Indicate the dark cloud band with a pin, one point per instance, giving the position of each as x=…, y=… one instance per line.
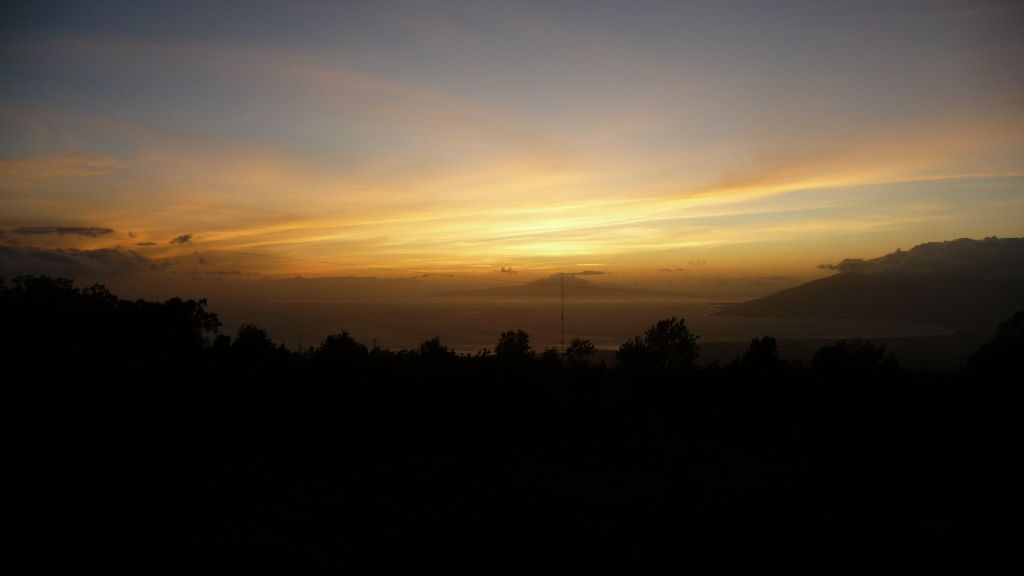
x=18, y=260
x=90, y=231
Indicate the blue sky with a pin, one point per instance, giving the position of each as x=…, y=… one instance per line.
x=480, y=135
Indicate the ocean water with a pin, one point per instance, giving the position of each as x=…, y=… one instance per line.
x=472, y=326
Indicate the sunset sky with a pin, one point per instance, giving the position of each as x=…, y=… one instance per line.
x=630, y=137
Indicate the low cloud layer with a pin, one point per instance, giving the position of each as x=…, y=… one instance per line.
x=71, y=263
x=183, y=239
x=90, y=231
x=991, y=257
x=584, y=273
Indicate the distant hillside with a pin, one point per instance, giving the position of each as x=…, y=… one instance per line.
x=963, y=284
x=550, y=287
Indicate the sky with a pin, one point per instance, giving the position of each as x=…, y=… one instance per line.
x=640, y=139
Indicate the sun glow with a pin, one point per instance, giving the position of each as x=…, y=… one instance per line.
x=315, y=157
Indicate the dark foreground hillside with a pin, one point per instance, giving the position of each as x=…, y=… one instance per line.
x=139, y=439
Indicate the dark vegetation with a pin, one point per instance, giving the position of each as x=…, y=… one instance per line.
x=141, y=439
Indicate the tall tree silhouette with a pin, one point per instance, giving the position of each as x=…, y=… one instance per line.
x=667, y=346
x=513, y=346
x=579, y=352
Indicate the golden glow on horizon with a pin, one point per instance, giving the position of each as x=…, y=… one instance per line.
x=516, y=229
x=326, y=167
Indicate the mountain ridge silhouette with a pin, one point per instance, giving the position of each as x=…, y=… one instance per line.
x=963, y=284
x=547, y=287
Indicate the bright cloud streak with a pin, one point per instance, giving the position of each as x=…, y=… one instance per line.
x=577, y=137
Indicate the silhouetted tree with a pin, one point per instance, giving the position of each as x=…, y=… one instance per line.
x=222, y=342
x=668, y=345
x=551, y=358
x=853, y=357
x=579, y=352
x=132, y=433
x=48, y=316
x=1004, y=352
x=434, y=352
x=338, y=349
x=253, y=341
x=513, y=346
x=184, y=321
x=761, y=357
x=631, y=353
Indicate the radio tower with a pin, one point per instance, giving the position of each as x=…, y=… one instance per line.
x=561, y=338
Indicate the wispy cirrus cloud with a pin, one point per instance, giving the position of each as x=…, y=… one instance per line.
x=56, y=165
x=476, y=162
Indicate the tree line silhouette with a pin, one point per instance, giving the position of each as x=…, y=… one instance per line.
x=142, y=438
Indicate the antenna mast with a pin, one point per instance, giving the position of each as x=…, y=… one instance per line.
x=561, y=338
